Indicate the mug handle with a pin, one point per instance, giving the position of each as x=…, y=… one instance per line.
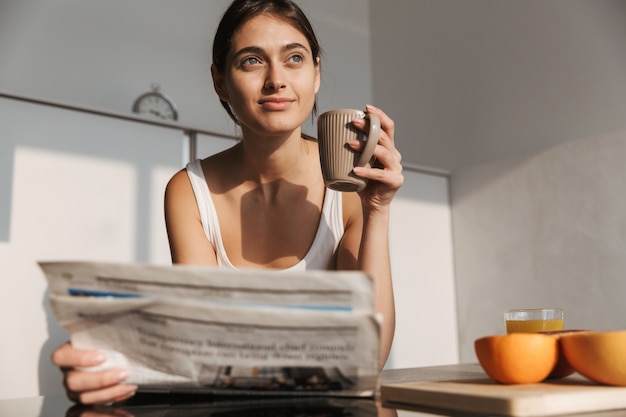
x=371, y=142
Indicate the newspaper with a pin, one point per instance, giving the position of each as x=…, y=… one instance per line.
x=185, y=328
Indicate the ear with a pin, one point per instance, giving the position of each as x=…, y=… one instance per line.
x=318, y=67
x=219, y=84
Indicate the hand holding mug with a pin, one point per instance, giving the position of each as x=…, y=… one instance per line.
x=335, y=130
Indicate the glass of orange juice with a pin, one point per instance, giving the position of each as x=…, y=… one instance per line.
x=533, y=320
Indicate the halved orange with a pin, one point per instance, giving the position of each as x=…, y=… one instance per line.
x=517, y=358
x=599, y=356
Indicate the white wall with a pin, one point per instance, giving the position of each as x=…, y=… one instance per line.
x=78, y=186
x=423, y=274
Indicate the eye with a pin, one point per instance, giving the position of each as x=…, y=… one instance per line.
x=296, y=58
x=250, y=60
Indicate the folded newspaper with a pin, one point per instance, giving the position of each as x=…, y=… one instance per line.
x=185, y=328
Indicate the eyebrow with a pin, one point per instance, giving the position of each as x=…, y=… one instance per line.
x=258, y=50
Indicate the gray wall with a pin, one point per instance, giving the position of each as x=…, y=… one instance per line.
x=543, y=231
x=471, y=82
x=524, y=101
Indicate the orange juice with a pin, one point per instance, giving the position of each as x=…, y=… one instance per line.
x=533, y=326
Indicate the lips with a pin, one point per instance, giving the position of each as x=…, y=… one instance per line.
x=276, y=103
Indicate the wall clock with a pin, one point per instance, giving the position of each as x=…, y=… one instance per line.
x=156, y=104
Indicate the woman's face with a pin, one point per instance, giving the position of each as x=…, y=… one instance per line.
x=270, y=79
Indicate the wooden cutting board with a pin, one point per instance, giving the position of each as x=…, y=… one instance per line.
x=574, y=394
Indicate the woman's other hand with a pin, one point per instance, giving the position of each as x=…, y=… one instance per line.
x=90, y=387
x=385, y=176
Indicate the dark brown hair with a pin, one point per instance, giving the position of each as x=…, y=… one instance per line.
x=240, y=11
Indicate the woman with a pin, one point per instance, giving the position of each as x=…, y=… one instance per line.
x=263, y=203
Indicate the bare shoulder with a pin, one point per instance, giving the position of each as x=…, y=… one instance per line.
x=188, y=243
x=180, y=201
x=177, y=185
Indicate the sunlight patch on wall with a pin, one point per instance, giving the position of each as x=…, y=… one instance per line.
x=73, y=206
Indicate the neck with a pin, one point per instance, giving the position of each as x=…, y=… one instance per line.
x=267, y=159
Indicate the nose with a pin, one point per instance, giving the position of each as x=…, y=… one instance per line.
x=275, y=78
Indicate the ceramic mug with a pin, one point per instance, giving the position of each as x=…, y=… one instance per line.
x=334, y=130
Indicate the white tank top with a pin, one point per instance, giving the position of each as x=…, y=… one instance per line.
x=321, y=254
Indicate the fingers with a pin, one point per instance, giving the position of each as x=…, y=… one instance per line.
x=79, y=381
x=91, y=387
x=387, y=127
x=68, y=356
x=387, y=169
x=386, y=154
x=107, y=395
x=98, y=387
x=386, y=123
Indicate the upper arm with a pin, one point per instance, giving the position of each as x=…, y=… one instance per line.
x=348, y=251
x=188, y=243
